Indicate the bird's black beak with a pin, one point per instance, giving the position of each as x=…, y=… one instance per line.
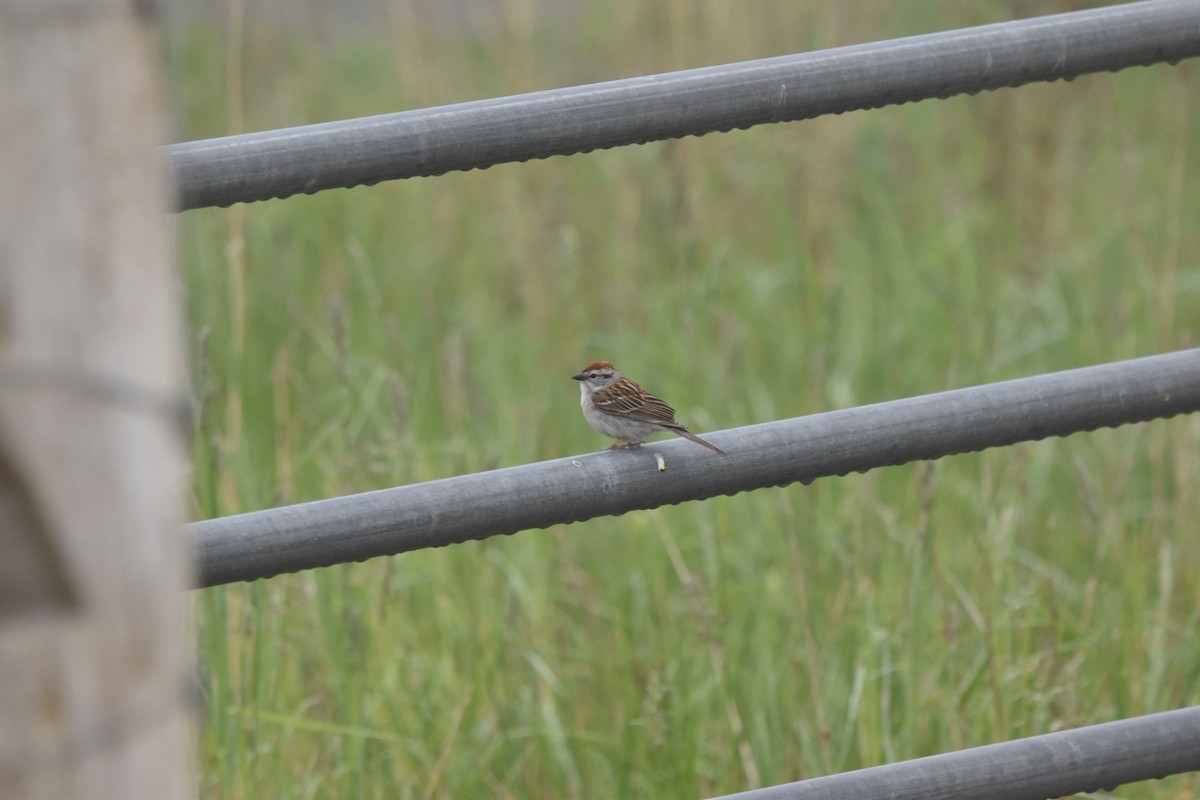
x=579, y=377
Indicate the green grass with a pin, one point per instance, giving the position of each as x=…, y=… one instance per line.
x=415, y=330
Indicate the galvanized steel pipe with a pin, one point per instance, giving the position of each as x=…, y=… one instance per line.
x=279, y=163
x=357, y=527
x=1091, y=759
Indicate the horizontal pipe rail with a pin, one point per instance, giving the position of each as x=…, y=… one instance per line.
x=260, y=544
x=1052, y=765
x=432, y=141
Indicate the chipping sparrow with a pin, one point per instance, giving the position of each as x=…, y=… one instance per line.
x=622, y=410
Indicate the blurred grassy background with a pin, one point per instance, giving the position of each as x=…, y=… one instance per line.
x=415, y=330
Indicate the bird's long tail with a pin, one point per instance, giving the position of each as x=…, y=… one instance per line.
x=685, y=433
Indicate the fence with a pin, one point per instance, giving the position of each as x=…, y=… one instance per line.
x=694, y=102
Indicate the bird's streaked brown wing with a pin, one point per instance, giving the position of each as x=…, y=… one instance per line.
x=628, y=399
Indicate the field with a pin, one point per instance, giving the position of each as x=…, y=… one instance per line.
x=366, y=338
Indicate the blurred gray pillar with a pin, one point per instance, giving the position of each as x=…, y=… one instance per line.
x=265, y=543
x=93, y=640
x=1089, y=759
x=258, y=166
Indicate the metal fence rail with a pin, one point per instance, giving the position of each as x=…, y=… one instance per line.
x=353, y=528
x=1052, y=765
x=279, y=163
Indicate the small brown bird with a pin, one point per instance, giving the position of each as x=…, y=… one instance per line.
x=620, y=409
